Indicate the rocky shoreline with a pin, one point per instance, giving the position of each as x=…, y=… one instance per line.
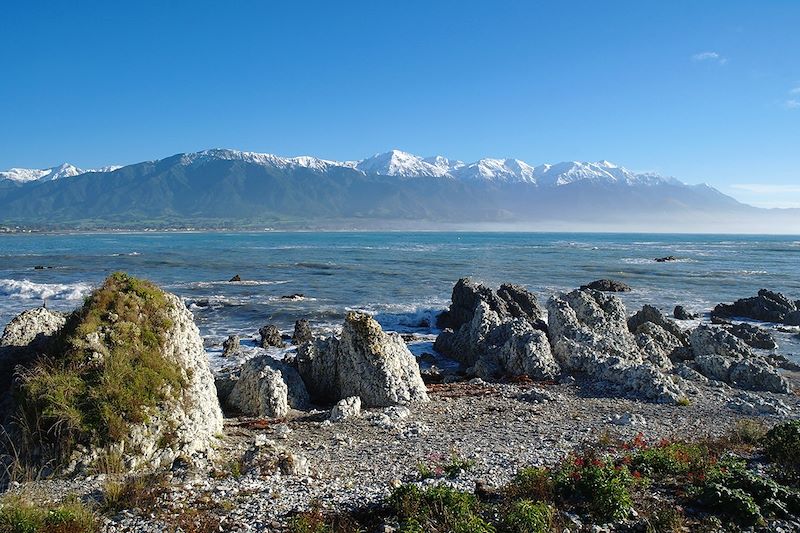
x=345, y=420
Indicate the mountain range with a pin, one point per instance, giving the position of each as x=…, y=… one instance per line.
x=221, y=188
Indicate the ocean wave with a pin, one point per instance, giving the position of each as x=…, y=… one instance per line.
x=30, y=290
x=130, y=254
x=244, y=283
x=648, y=261
x=407, y=317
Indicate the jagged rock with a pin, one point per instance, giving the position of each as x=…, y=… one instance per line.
x=295, y=296
x=267, y=387
x=607, y=285
x=510, y=301
x=589, y=333
x=32, y=328
x=503, y=333
x=231, y=345
x=753, y=405
x=767, y=306
x=658, y=344
x=292, y=464
x=680, y=313
x=271, y=337
x=792, y=319
x=723, y=357
x=754, y=336
x=302, y=332
x=235, y=278
x=365, y=362
x=648, y=313
x=346, y=408
x=666, y=259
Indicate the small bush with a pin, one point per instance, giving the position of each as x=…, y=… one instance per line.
x=782, y=446
x=451, y=467
x=674, y=458
x=664, y=519
x=747, y=432
x=438, y=508
x=131, y=493
x=527, y=516
x=315, y=520
x=20, y=516
x=598, y=484
x=532, y=483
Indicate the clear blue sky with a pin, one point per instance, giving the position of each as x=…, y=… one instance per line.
x=705, y=91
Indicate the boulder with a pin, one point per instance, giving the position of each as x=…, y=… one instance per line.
x=658, y=344
x=231, y=345
x=649, y=313
x=510, y=301
x=235, y=279
x=32, y=328
x=667, y=259
x=607, y=285
x=767, y=306
x=271, y=337
x=589, y=333
x=721, y=356
x=754, y=336
x=268, y=388
x=792, y=318
x=680, y=313
x=503, y=334
x=346, y=408
x=366, y=362
x=302, y=332
x=137, y=353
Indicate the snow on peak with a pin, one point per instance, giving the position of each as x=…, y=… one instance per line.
x=498, y=170
x=26, y=175
x=403, y=164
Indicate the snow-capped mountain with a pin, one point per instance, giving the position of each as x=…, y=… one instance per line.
x=231, y=188
x=65, y=170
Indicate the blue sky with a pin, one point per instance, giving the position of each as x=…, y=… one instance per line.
x=703, y=91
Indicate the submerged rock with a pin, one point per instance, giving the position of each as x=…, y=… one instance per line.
x=271, y=337
x=231, y=345
x=680, y=313
x=235, y=278
x=667, y=259
x=607, y=285
x=365, y=361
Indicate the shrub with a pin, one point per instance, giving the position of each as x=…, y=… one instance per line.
x=527, y=516
x=131, y=493
x=532, y=483
x=674, y=458
x=18, y=515
x=598, y=484
x=104, y=372
x=438, y=467
x=748, y=432
x=438, y=508
x=782, y=446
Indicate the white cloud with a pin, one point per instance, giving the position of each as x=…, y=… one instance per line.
x=796, y=90
x=766, y=188
x=714, y=57
x=792, y=104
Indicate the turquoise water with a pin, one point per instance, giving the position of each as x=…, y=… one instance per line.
x=404, y=278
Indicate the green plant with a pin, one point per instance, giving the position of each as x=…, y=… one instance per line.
x=315, y=520
x=532, y=483
x=674, y=458
x=18, y=515
x=105, y=371
x=747, y=431
x=664, y=519
x=451, y=467
x=683, y=401
x=597, y=483
x=439, y=508
x=131, y=493
x=527, y=516
x=782, y=446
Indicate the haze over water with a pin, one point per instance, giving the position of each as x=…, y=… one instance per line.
x=403, y=278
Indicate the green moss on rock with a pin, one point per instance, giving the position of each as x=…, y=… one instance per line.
x=105, y=372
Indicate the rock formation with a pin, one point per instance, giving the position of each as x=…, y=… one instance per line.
x=365, y=361
x=231, y=345
x=767, y=306
x=503, y=334
x=302, y=332
x=589, y=333
x=267, y=388
x=270, y=337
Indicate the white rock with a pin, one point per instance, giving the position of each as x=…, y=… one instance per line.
x=346, y=408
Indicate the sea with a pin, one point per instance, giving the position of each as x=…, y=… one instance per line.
x=403, y=279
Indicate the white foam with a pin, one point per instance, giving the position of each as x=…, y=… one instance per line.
x=29, y=290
